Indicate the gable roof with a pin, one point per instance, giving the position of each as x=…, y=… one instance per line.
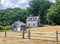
x=33, y=18
x=18, y=23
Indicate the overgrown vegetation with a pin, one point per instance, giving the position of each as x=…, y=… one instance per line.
x=8, y=27
x=1, y=28
x=5, y=27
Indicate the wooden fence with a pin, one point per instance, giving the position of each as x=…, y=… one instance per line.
x=38, y=34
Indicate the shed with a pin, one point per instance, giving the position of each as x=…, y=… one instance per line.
x=18, y=26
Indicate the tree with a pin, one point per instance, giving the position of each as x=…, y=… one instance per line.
x=39, y=7
x=9, y=15
x=53, y=13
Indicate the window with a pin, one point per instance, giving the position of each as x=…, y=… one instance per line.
x=30, y=18
x=34, y=18
x=33, y=24
x=29, y=24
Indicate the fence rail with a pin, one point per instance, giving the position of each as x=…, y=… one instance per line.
x=43, y=32
x=30, y=34
x=45, y=36
x=39, y=33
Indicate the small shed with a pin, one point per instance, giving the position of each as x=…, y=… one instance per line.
x=18, y=26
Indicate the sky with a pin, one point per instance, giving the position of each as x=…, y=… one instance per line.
x=15, y=3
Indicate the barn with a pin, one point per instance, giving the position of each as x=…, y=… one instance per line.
x=18, y=26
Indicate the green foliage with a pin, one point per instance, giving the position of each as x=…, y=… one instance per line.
x=39, y=8
x=28, y=27
x=53, y=14
x=1, y=28
x=5, y=27
x=9, y=15
x=8, y=27
x=36, y=8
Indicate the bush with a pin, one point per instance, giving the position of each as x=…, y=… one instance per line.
x=7, y=27
x=53, y=24
x=28, y=27
x=41, y=25
x=1, y=28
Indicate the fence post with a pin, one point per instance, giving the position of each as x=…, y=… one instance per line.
x=28, y=34
x=23, y=34
x=57, y=36
x=5, y=33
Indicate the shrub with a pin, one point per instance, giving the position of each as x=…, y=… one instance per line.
x=41, y=25
x=53, y=24
x=7, y=27
x=28, y=27
x=1, y=28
